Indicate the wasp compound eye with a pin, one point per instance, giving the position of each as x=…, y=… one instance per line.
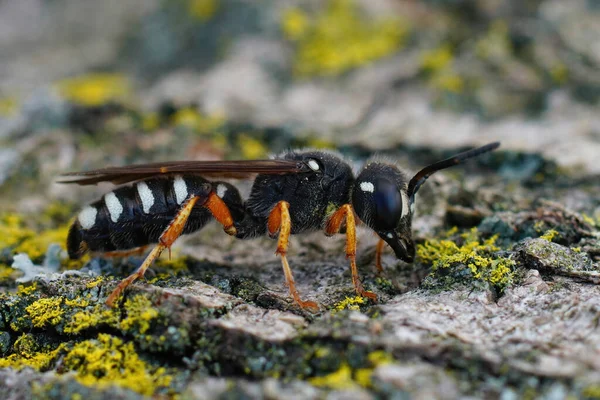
x=387, y=204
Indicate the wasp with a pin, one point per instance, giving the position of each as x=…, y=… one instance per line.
x=295, y=192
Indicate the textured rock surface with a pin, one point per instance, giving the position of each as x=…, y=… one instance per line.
x=503, y=299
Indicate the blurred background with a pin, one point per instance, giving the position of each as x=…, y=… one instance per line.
x=86, y=84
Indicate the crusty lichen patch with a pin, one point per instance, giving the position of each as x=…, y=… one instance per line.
x=480, y=257
x=107, y=361
x=340, y=38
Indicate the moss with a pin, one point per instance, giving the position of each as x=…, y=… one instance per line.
x=94, y=89
x=47, y=311
x=107, y=361
x=95, y=282
x=478, y=257
x=349, y=303
x=338, y=39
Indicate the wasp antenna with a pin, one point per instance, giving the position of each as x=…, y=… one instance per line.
x=421, y=176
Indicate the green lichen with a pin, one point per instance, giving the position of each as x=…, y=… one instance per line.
x=478, y=256
x=339, y=38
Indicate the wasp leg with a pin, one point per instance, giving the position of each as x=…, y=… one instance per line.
x=333, y=225
x=138, y=251
x=165, y=241
x=220, y=212
x=279, y=221
x=378, y=251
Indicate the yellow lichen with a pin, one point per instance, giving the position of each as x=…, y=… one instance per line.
x=140, y=314
x=150, y=122
x=93, y=283
x=46, y=311
x=94, y=89
x=477, y=256
x=203, y=9
x=107, y=361
x=27, y=354
x=8, y=106
x=437, y=59
x=339, y=380
x=6, y=273
x=347, y=378
x=250, y=147
x=87, y=319
x=20, y=239
x=549, y=235
x=495, y=45
x=190, y=118
x=340, y=38
x=295, y=23
x=349, y=303
x=23, y=290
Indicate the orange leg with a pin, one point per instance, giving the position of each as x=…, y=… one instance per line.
x=279, y=221
x=378, y=252
x=220, y=212
x=333, y=226
x=138, y=251
x=165, y=241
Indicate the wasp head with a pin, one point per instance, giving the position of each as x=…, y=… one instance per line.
x=381, y=201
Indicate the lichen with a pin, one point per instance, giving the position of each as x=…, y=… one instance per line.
x=94, y=89
x=549, y=235
x=339, y=38
x=139, y=314
x=349, y=303
x=91, y=318
x=203, y=9
x=107, y=361
x=190, y=118
x=250, y=147
x=478, y=256
x=46, y=311
x=346, y=377
x=28, y=353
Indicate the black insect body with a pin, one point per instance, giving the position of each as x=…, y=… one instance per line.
x=135, y=216
x=297, y=192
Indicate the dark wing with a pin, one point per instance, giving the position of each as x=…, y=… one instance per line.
x=421, y=176
x=239, y=169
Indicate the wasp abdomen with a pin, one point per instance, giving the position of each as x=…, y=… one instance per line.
x=136, y=215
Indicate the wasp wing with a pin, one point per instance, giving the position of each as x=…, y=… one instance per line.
x=236, y=169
